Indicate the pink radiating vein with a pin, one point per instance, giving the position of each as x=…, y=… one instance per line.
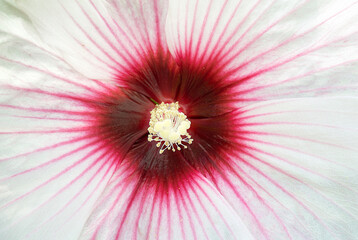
x=189, y=51
x=225, y=29
x=104, y=37
x=258, y=196
x=296, y=165
x=157, y=23
x=144, y=22
x=295, y=150
x=315, y=190
x=132, y=61
x=144, y=41
x=223, y=54
x=186, y=209
x=56, y=145
x=247, y=206
x=284, y=190
x=124, y=22
x=83, y=46
x=291, y=111
x=245, y=174
x=117, y=187
x=281, y=44
x=190, y=185
x=187, y=196
x=52, y=118
x=180, y=214
x=90, y=195
x=93, y=164
x=218, y=18
x=303, y=139
x=48, y=110
x=48, y=73
x=297, y=77
x=201, y=32
x=92, y=40
x=283, y=62
x=53, y=161
x=278, y=186
x=284, y=42
x=155, y=196
x=238, y=26
x=139, y=214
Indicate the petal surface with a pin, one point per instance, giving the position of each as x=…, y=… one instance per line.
x=98, y=38
x=15, y=22
x=296, y=177
x=269, y=49
x=51, y=170
x=194, y=209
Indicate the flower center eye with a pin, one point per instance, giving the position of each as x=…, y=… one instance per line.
x=168, y=127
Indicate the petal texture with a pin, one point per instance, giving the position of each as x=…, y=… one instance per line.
x=98, y=38
x=270, y=49
x=194, y=209
x=51, y=171
x=15, y=22
x=296, y=177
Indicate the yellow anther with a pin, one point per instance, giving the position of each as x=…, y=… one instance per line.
x=169, y=127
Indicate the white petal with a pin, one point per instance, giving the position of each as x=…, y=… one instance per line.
x=16, y=22
x=270, y=49
x=101, y=39
x=296, y=177
x=194, y=209
x=51, y=172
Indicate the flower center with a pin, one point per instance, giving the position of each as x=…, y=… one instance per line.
x=168, y=127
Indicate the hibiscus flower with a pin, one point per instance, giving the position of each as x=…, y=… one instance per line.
x=190, y=119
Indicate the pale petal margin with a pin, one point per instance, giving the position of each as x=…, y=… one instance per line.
x=270, y=49
x=296, y=176
x=100, y=39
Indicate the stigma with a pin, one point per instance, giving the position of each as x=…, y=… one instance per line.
x=169, y=127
